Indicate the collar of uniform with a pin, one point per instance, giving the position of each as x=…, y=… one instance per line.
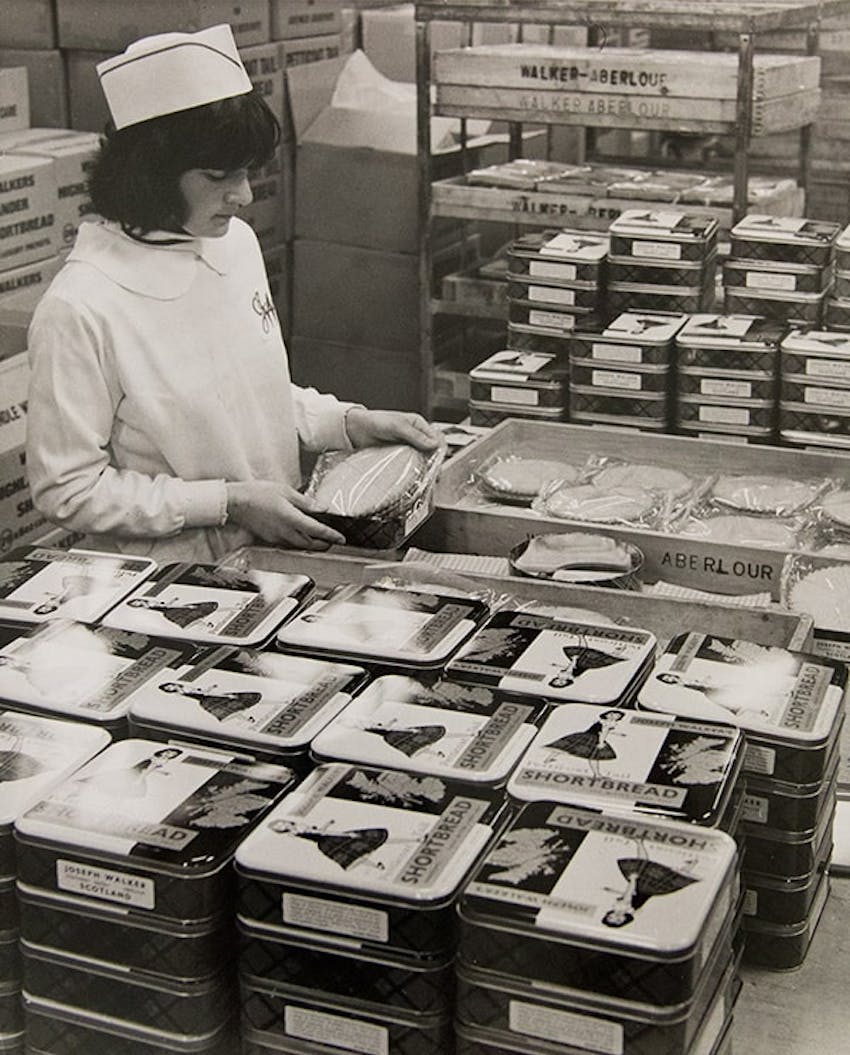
x=164, y=272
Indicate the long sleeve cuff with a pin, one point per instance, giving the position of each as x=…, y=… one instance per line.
x=205, y=503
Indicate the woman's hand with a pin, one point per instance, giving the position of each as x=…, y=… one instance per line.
x=366, y=428
x=276, y=513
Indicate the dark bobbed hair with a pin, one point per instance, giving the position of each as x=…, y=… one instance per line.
x=135, y=176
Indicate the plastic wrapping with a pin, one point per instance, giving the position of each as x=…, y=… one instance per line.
x=375, y=496
x=422, y=576
x=522, y=173
x=516, y=479
x=578, y=557
x=212, y=603
x=38, y=583
x=384, y=626
x=88, y=673
x=772, y=495
x=592, y=504
x=819, y=589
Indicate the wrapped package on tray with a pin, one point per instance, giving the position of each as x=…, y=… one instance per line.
x=375, y=496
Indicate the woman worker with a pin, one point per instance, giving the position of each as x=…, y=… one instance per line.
x=162, y=420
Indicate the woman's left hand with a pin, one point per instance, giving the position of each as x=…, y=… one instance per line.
x=366, y=428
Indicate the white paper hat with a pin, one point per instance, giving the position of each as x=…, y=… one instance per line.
x=170, y=72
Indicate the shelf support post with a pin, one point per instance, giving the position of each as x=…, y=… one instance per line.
x=423, y=143
x=743, y=125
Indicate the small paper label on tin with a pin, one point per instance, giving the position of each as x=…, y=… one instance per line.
x=616, y=379
x=715, y=386
x=751, y=902
x=550, y=320
x=552, y=294
x=351, y=920
x=831, y=368
x=544, y=269
x=529, y=397
x=769, y=280
x=827, y=397
x=617, y=353
x=108, y=884
x=755, y=809
x=759, y=759
x=725, y=415
x=581, y=1031
x=657, y=250
x=336, y=1030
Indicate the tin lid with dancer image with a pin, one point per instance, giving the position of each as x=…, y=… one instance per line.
x=261, y=702
x=604, y=758
x=542, y=655
x=212, y=603
x=405, y=836
x=405, y=723
x=156, y=810
x=38, y=583
x=771, y=692
x=655, y=886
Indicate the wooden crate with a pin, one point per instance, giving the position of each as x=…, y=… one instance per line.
x=664, y=616
x=463, y=523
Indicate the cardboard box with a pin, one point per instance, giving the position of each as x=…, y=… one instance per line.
x=86, y=103
x=381, y=379
x=113, y=24
x=270, y=213
x=356, y=168
x=290, y=19
x=73, y=154
x=264, y=64
x=48, y=93
x=14, y=99
x=28, y=24
x=351, y=295
x=303, y=50
x=15, y=317
x=26, y=284
x=19, y=522
x=28, y=228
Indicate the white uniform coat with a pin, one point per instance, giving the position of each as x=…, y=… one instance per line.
x=158, y=374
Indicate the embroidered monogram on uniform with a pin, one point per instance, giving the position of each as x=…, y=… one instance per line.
x=264, y=307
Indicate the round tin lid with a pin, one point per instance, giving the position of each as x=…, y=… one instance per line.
x=38, y=583
x=208, y=603
x=80, y=671
x=631, y=760
x=612, y=881
x=464, y=731
x=382, y=624
x=36, y=753
x=538, y=655
x=777, y=694
x=386, y=834
x=168, y=808
x=261, y=699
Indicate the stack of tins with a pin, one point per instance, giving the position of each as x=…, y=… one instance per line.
x=513, y=384
x=623, y=372
x=780, y=267
x=837, y=315
x=347, y=910
x=35, y=754
x=814, y=399
x=791, y=707
x=662, y=260
x=594, y=931
x=126, y=897
x=728, y=376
